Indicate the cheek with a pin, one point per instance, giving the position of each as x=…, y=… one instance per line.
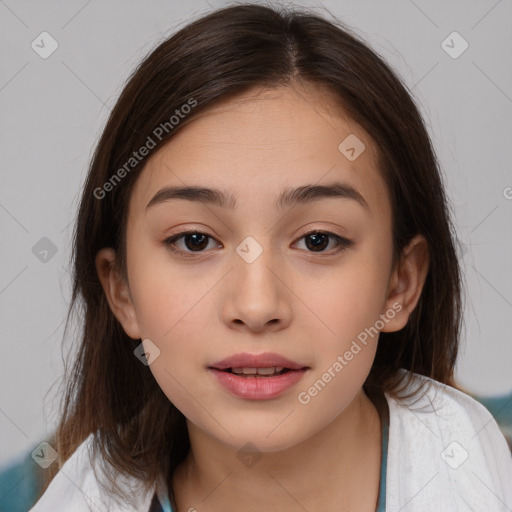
x=348, y=303
x=170, y=305
x=164, y=295
x=169, y=314
x=177, y=382
x=349, y=299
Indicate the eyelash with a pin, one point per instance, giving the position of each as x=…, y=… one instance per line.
x=343, y=243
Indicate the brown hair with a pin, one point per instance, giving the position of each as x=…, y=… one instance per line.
x=223, y=54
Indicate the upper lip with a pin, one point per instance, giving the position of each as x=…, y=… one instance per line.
x=265, y=360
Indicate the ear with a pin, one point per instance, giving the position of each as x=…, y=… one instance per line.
x=406, y=283
x=117, y=291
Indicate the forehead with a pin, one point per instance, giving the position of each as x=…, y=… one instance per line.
x=265, y=140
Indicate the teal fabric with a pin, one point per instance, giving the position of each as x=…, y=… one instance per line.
x=166, y=506
x=501, y=408
x=19, y=484
x=381, y=507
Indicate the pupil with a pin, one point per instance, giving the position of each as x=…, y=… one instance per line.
x=195, y=237
x=319, y=241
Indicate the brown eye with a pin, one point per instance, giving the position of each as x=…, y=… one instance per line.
x=194, y=242
x=317, y=241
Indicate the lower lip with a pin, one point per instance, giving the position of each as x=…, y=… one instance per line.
x=258, y=388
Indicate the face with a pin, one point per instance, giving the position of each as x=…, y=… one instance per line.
x=301, y=280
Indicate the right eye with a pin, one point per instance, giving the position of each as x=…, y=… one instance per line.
x=195, y=242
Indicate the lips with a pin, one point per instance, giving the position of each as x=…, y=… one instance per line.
x=256, y=376
x=265, y=360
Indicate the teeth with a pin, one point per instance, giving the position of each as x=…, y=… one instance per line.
x=246, y=371
x=269, y=371
x=259, y=371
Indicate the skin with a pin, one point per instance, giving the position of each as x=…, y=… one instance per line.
x=305, y=305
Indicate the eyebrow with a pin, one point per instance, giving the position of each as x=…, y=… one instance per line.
x=288, y=197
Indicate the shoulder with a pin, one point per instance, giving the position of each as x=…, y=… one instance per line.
x=75, y=487
x=446, y=410
x=450, y=448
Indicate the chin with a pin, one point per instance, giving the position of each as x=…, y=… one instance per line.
x=263, y=438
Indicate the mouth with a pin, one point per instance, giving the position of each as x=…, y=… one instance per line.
x=258, y=372
x=257, y=376
x=267, y=363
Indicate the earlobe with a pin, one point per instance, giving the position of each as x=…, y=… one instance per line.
x=406, y=283
x=117, y=291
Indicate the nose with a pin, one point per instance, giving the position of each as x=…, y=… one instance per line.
x=258, y=296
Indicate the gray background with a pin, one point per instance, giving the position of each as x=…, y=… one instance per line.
x=52, y=111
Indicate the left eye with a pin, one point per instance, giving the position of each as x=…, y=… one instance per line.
x=317, y=241
x=196, y=242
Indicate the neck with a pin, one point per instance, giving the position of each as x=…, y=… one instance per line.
x=338, y=468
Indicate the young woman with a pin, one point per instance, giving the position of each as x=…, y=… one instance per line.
x=271, y=295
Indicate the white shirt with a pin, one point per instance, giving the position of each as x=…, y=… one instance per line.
x=445, y=454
